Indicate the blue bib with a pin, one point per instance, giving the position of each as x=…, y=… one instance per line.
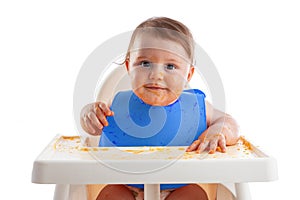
x=136, y=123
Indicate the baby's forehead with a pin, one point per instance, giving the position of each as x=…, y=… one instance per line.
x=153, y=54
x=149, y=43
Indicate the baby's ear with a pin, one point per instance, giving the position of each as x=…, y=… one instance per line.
x=127, y=64
x=191, y=72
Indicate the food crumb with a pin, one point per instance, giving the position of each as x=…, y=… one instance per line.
x=70, y=137
x=219, y=149
x=134, y=151
x=246, y=143
x=84, y=149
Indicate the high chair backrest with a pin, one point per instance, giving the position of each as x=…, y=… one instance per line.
x=114, y=80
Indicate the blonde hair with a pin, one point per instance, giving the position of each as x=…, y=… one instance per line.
x=165, y=28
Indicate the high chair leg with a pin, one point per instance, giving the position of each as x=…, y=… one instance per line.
x=242, y=191
x=151, y=191
x=61, y=192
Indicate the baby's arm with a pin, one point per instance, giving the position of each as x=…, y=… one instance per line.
x=93, y=117
x=221, y=130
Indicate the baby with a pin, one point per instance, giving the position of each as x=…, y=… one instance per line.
x=159, y=111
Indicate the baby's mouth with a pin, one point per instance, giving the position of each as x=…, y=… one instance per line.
x=154, y=87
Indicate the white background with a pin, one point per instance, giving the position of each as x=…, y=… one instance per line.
x=254, y=45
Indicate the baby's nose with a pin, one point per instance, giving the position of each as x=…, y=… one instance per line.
x=157, y=72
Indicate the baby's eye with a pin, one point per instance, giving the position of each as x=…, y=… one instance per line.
x=145, y=64
x=170, y=66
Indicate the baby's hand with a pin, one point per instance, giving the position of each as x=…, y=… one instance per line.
x=210, y=141
x=93, y=117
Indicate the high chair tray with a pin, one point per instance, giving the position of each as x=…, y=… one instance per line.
x=66, y=161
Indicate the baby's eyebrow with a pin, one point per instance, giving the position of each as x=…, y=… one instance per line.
x=141, y=57
x=172, y=60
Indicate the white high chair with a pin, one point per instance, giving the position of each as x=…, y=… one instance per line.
x=76, y=171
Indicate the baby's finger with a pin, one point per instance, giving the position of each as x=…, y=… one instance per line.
x=103, y=120
x=100, y=115
x=94, y=120
x=105, y=109
x=193, y=146
x=98, y=111
x=213, y=146
x=222, y=145
x=88, y=125
x=203, y=145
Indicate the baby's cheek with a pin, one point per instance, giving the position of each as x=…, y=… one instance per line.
x=136, y=82
x=177, y=85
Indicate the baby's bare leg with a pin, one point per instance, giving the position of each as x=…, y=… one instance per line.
x=115, y=192
x=192, y=191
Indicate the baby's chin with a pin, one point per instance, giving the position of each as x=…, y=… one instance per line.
x=158, y=101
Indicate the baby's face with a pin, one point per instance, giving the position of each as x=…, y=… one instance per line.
x=159, y=70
